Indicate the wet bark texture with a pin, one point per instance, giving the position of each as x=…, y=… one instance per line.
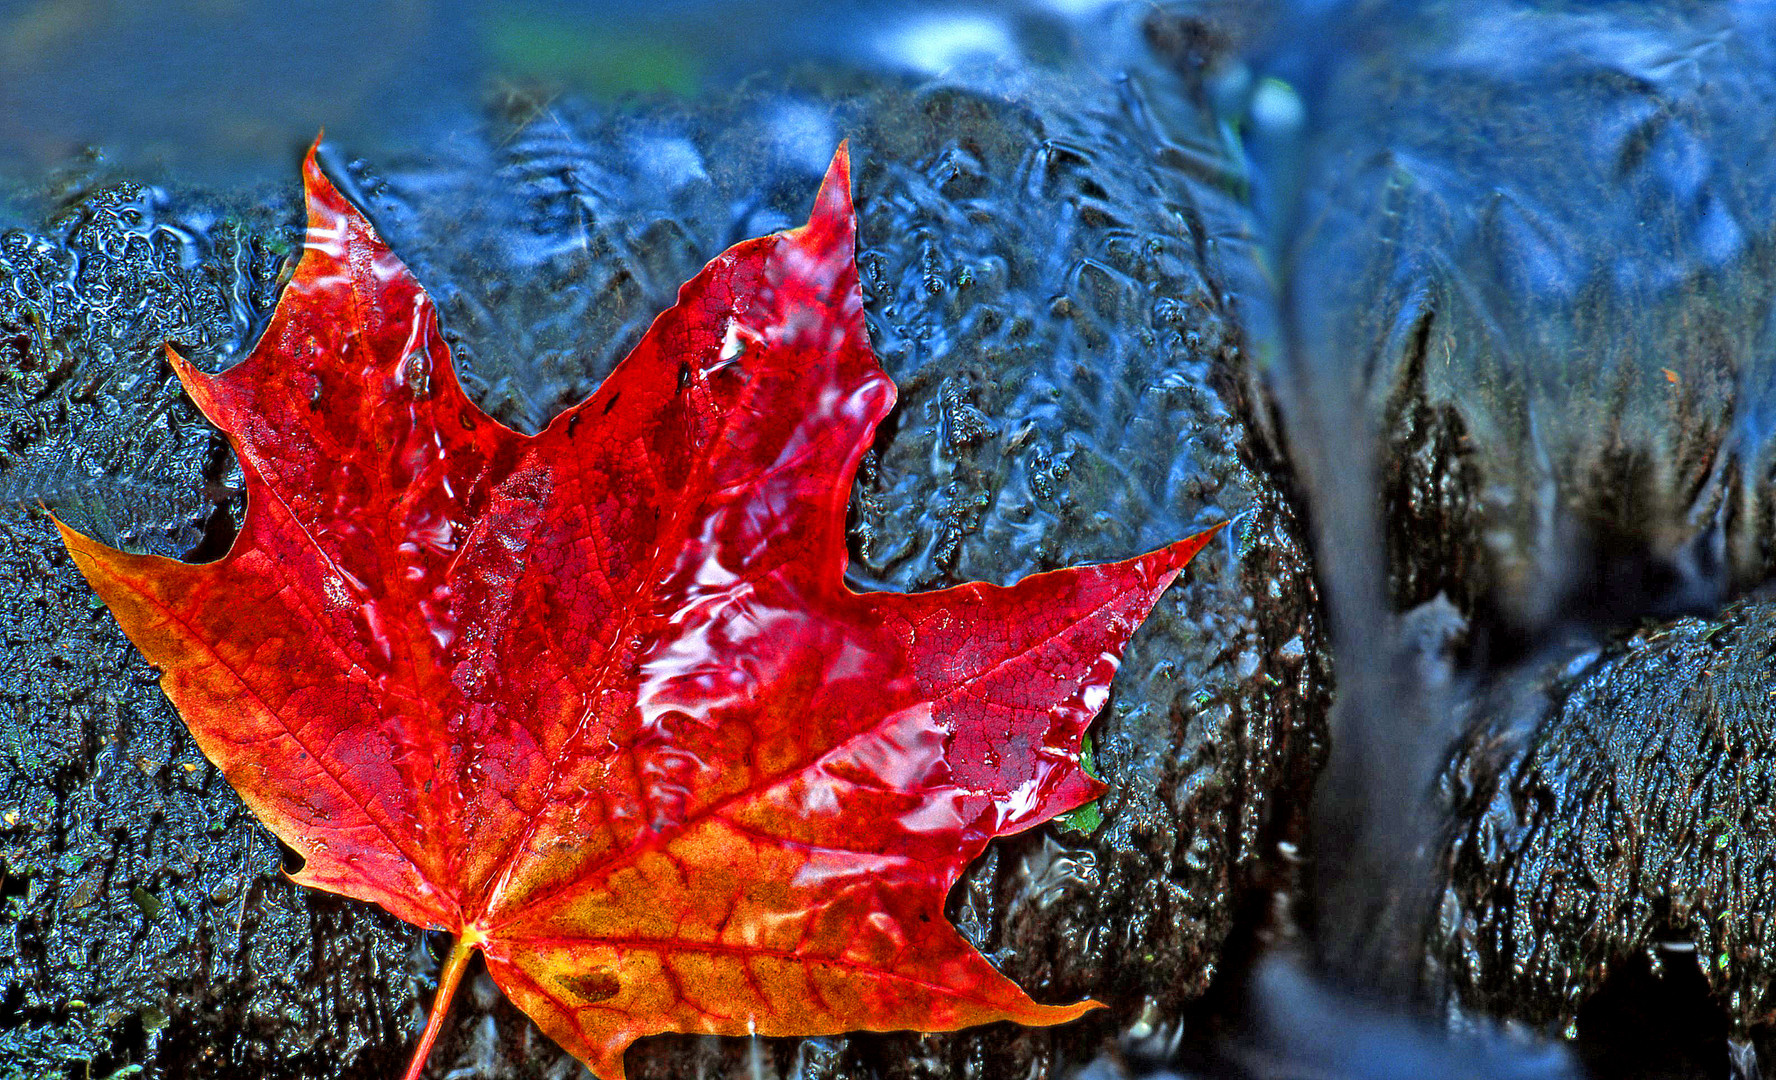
x=1041, y=282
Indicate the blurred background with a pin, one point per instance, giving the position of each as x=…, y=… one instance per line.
x=214, y=89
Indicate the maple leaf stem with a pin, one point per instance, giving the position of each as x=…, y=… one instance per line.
x=447, y=982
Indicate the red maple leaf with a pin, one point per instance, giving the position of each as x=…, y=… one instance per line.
x=598, y=701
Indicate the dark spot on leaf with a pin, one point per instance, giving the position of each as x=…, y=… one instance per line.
x=612, y=403
x=590, y=988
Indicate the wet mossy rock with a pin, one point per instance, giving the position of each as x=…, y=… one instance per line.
x=1040, y=284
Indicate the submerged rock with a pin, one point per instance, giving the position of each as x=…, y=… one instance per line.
x=1041, y=285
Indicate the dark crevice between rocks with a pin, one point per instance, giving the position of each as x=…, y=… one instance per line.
x=129, y=1045
x=1647, y=1023
x=1428, y=487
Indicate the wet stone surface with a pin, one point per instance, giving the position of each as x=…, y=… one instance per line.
x=1617, y=830
x=1040, y=284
